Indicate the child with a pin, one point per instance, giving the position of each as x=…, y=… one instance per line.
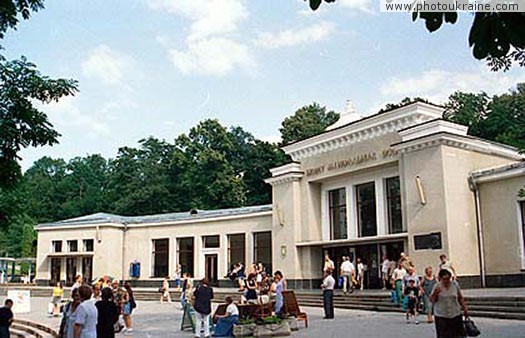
x=412, y=292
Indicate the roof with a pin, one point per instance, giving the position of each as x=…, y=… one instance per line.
x=104, y=218
x=497, y=173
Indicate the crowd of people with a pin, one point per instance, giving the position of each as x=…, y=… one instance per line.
x=438, y=296
x=95, y=310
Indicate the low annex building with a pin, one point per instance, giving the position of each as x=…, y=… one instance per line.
x=403, y=180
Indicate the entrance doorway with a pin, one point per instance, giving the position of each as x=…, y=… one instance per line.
x=211, y=269
x=87, y=269
x=71, y=270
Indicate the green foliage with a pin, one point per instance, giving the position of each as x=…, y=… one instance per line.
x=11, y=9
x=404, y=102
x=306, y=122
x=21, y=123
x=496, y=37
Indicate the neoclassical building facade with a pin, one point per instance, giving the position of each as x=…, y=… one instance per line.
x=403, y=180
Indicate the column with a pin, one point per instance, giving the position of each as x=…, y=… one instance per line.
x=381, y=207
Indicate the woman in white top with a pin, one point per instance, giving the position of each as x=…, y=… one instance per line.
x=448, y=304
x=361, y=273
x=225, y=323
x=86, y=315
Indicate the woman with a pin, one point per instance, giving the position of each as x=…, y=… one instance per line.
x=119, y=297
x=448, y=304
x=429, y=280
x=108, y=314
x=165, y=290
x=251, y=286
x=203, y=295
x=87, y=315
x=58, y=294
x=279, y=287
x=67, y=325
x=128, y=306
x=361, y=274
x=225, y=323
x=178, y=276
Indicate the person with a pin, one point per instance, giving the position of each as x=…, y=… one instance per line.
x=225, y=323
x=58, y=294
x=251, y=288
x=448, y=304
x=203, y=295
x=165, y=290
x=328, y=294
x=183, y=285
x=119, y=297
x=328, y=263
x=188, y=291
x=108, y=314
x=360, y=274
x=412, y=292
x=429, y=280
x=279, y=287
x=67, y=325
x=97, y=291
x=177, y=276
x=347, y=271
x=397, y=282
x=411, y=276
x=405, y=261
x=240, y=276
x=6, y=318
x=260, y=271
x=445, y=263
x=128, y=306
x=77, y=284
x=87, y=314
x=265, y=287
x=385, y=268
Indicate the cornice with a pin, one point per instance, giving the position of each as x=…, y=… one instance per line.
x=499, y=173
x=285, y=178
x=362, y=130
x=457, y=141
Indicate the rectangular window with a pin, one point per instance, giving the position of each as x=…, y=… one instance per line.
x=393, y=196
x=430, y=241
x=56, y=269
x=160, y=256
x=236, y=250
x=87, y=269
x=71, y=270
x=209, y=242
x=366, y=209
x=57, y=246
x=88, y=245
x=337, y=211
x=72, y=246
x=185, y=254
x=262, y=249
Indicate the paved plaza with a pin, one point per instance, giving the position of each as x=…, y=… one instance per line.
x=153, y=320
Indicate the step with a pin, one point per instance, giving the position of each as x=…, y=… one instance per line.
x=31, y=327
x=31, y=332
x=14, y=333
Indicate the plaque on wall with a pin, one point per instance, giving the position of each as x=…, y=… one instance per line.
x=430, y=241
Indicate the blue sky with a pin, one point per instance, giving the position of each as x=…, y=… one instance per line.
x=157, y=67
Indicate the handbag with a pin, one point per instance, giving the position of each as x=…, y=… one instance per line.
x=470, y=328
x=341, y=282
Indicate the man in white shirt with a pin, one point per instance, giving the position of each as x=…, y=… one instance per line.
x=328, y=294
x=347, y=271
x=385, y=267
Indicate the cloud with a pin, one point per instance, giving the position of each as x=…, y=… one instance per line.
x=364, y=6
x=106, y=65
x=208, y=17
x=437, y=85
x=214, y=56
x=294, y=37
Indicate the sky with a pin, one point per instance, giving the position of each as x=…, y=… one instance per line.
x=158, y=67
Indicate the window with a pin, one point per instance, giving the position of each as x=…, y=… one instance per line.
x=236, y=250
x=56, y=268
x=57, y=246
x=87, y=269
x=88, y=245
x=211, y=242
x=185, y=254
x=262, y=247
x=72, y=246
x=338, y=221
x=428, y=242
x=366, y=209
x=160, y=256
x=393, y=196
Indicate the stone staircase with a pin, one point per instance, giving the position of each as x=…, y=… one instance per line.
x=22, y=328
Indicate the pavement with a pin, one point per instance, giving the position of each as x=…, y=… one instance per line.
x=155, y=320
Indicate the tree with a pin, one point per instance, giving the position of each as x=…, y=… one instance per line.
x=11, y=9
x=468, y=109
x=404, y=102
x=21, y=123
x=306, y=122
x=496, y=37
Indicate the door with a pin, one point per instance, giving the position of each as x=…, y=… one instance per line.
x=71, y=271
x=211, y=269
x=369, y=255
x=87, y=269
x=55, y=270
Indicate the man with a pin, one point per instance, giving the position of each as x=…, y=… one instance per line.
x=385, y=268
x=447, y=265
x=361, y=273
x=328, y=263
x=347, y=271
x=328, y=294
x=6, y=318
x=405, y=261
